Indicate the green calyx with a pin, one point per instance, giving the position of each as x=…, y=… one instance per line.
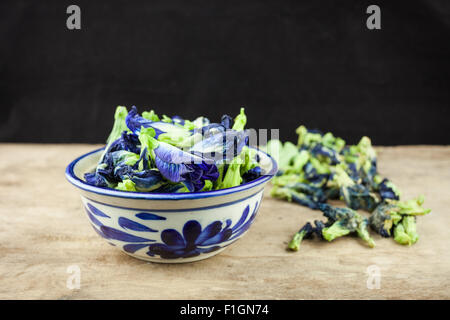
x=126, y=185
x=119, y=124
x=294, y=244
x=240, y=121
x=150, y=115
x=336, y=230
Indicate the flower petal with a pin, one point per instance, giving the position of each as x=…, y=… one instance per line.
x=171, y=171
x=147, y=180
x=222, y=145
x=134, y=122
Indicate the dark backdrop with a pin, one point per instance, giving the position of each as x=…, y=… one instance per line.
x=289, y=62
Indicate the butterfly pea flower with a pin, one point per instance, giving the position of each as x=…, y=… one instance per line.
x=119, y=124
x=405, y=232
x=365, y=149
x=129, y=166
x=147, y=180
x=209, y=128
x=334, y=213
x=150, y=115
x=388, y=190
x=170, y=187
x=400, y=217
x=412, y=207
x=96, y=179
x=227, y=122
x=200, y=122
x=400, y=235
x=252, y=174
x=288, y=178
x=352, y=171
x=248, y=157
x=112, y=168
x=339, y=229
x=123, y=171
x=304, y=233
x=359, y=197
x=134, y=123
x=340, y=222
x=363, y=231
x=166, y=119
x=181, y=139
x=231, y=175
x=123, y=157
x=222, y=146
x=298, y=162
x=204, y=125
x=103, y=176
x=318, y=227
x=325, y=154
x=243, y=167
x=178, y=120
x=332, y=192
x=316, y=173
x=307, y=138
x=332, y=142
x=316, y=194
x=384, y=218
x=208, y=185
x=177, y=165
x=343, y=222
x=292, y=195
x=118, y=128
x=126, y=185
x=356, y=196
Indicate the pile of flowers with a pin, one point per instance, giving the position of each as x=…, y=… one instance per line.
x=323, y=167
x=148, y=153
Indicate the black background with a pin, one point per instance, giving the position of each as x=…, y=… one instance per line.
x=289, y=62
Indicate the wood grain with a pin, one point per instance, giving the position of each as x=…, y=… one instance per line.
x=43, y=231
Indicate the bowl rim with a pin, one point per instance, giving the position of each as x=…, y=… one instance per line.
x=79, y=183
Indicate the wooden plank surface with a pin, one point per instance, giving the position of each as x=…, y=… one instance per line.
x=43, y=231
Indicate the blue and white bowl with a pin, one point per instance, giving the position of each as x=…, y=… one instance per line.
x=170, y=227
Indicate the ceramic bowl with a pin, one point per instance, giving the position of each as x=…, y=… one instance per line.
x=170, y=227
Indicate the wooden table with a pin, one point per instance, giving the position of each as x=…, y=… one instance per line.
x=43, y=231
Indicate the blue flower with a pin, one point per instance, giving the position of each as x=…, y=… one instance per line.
x=147, y=180
x=134, y=122
x=221, y=146
x=179, y=166
x=388, y=191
